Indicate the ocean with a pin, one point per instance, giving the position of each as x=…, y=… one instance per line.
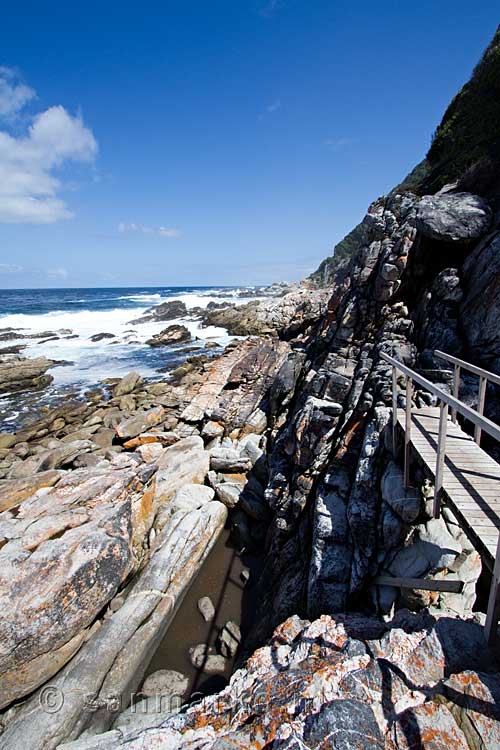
x=75, y=315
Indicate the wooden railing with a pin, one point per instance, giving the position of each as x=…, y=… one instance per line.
x=446, y=401
x=484, y=377
x=481, y=424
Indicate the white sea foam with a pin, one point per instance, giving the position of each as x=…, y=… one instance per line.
x=110, y=357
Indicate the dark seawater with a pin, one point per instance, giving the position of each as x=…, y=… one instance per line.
x=41, y=301
x=70, y=317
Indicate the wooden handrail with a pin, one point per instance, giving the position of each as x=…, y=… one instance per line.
x=482, y=422
x=491, y=376
x=484, y=376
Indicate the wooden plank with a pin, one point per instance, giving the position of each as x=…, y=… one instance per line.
x=470, y=478
x=421, y=584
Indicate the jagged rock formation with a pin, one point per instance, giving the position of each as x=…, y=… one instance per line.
x=465, y=152
x=18, y=373
x=175, y=334
x=327, y=488
x=286, y=434
x=290, y=436
x=169, y=310
x=287, y=316
x=345, y=683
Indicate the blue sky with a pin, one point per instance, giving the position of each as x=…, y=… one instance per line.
x=229, y=142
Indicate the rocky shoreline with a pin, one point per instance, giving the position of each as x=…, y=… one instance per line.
x=115, y=503
x=281, y=309
x=110, y=506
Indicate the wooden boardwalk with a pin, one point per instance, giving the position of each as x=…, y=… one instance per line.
x=471, y=478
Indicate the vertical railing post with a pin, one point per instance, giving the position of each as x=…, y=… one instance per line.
x=394, y=411
x=409, y=393
x=456, y=388
x=441, y=453
x=483, y=382
x=492, y=614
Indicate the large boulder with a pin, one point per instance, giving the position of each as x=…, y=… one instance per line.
x=176, y=334
x=20, y=374
x=343, y=684
x=480, y=308
x=127, y=384
x=165, y=682
x=170, y=310
x=140, y=422
x=64, y=555
x=181, y=464
x=113, y=660
x=453, y=217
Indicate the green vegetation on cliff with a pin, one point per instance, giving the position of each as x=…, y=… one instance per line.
x=466, y=145
x=465, y=148
x=323, y=275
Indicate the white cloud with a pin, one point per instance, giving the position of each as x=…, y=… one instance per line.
x=28, y=185
x=57, y=273
x=274, y=106
x=7, y=268
x=14, y=94
x=169, y=232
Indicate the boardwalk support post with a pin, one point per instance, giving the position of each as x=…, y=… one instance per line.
x=409, y=393
x=492, y=615
x=483, y=382
x=394, y=412
x=441, y=453
x=456, y=388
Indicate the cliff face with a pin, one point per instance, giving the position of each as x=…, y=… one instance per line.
x=293, y=428
x=465, y=149
x=346, y=683
x=422, y=280
x=424, y=276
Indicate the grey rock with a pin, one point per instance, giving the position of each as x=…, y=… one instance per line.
x=183, y=463
x=18, y=373
x=212, y=430
x=147, y=714
x=453, y=217
x=229, y=639
x=229, y=460
x=165, y=682
x=127, y=384
x=406, y=502
x=228, y=493
x=203, y=659
x=206, y=608
x=192, y=497
x=101, y=336
x=140, y=422
x=175, y=334
x=169, y=310
x=480, y=308
x=442, y=547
